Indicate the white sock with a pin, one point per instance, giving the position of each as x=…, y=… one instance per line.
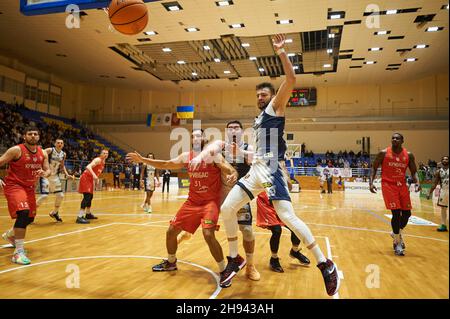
x=172, y=258
x=320, y=258
x=81, y=213
x=222, y=265
x=275, y=255
x=249, y=259
x=19, y=245
x=233, y=248
x=444, y=216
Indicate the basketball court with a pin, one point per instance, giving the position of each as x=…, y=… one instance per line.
x=135, y=73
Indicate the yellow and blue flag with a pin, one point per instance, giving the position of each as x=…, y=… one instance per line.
x=185, y=112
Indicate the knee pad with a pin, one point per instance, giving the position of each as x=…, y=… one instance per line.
x=59, y=199
x=247, y=232
x=22, y=220
x=406, y=213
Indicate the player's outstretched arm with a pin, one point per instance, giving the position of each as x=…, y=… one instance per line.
x=227, y=169
x=176, y=163
x=285, y=91
x=375, y=165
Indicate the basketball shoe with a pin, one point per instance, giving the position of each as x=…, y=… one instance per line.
x=165, y=265
x=275, y=265
x=234, y=265
x=252, y=273
x=330, y=276
x=300, y=257
x=20, y=258
x=55, y=215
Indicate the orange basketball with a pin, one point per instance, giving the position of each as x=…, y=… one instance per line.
x=128, y=16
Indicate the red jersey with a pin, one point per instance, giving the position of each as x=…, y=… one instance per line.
x=98, y=169
x=394, y=166
x=205, y=183
x=24, y=170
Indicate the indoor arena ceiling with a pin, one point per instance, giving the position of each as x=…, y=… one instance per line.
x=325, y=47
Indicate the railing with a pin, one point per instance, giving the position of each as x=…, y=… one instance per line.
x=305, y=114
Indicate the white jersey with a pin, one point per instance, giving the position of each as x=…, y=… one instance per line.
x=149, y=171
x=443, y=174
x=55, y=159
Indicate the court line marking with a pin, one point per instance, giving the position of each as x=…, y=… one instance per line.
x=216, y=278
x=377, y=231
x=150, y=224
x=82, y=230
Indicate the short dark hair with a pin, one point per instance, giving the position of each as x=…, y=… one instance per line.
x=401, y=135
x=444, y=157
x=31, y=128
x=266, y=85
x=235, y=122
x=198, y=129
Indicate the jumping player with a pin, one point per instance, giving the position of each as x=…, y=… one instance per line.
x=441, y=178
x=27, y=162
x=266, y=173
x=202, y=205
x=86, y=187
x=56, y=157
x=395, y=160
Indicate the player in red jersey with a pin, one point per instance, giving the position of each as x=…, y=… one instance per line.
x=394, y=161
x=202, y=205
x=87, y=184
x=27, y=163
x=267, y=218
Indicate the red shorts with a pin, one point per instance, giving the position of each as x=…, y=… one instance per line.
x=192, y=214
x=266, y=215
x=20, y=198
x=396, y=197
x=86, y=184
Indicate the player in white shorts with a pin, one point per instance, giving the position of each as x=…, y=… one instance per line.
x=267, y=174
x=150, y=179
x=52, y=184
x=441, y=178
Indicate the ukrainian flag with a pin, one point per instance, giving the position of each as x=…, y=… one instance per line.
x=185, y=112
x=151, y=119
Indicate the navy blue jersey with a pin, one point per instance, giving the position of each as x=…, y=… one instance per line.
x=269, y=131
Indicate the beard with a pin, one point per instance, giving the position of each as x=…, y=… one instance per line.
x=32, y=142
x=263, y=105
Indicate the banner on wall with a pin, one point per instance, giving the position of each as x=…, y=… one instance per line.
x=336, y=171
x=159, y=119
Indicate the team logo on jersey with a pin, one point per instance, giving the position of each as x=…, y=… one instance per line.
x=397, y=159
x=34, y=159
x=267, y=185
x=208, y=222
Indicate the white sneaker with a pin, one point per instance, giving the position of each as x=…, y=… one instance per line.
x=10, y=239
x=20, y=258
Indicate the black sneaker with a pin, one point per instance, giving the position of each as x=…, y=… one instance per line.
x=82, y=220
x=165, y=265
x=91, y=216
x=300, y=257
x=233, y=267
x=275, y=265
x=330, y=276
x=55, y=216
x=223, y=282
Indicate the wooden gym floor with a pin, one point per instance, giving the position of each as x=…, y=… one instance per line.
x=112, y=257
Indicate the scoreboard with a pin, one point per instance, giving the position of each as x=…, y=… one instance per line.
x=303, y=97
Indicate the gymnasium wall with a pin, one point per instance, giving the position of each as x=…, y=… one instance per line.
x=426, y=96
x=424, y=144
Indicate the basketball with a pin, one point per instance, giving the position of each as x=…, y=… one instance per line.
x=128, y=16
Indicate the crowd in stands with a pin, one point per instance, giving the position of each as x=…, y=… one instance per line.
x=12, y=124
x=342, y=159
